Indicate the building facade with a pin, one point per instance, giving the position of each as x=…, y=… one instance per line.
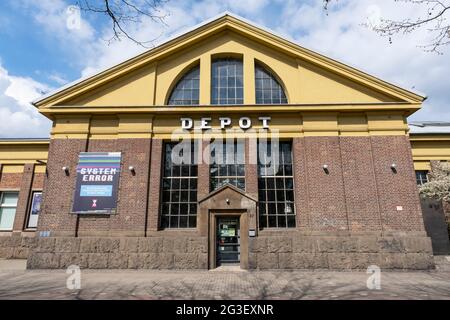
x=339, y=190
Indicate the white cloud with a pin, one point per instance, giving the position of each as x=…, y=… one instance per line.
x=341, y=35
x=18, y=117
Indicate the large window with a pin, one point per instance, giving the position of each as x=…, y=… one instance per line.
x=186, y=91
x=227, y=81
x=421, y=176
x=227, y=164
x=268, y=89
x=179, y=187
x=276, y=185
x=8, y=205
x=35, y=209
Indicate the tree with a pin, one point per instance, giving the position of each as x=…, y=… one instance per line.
x=435, y=19
x=123, y=13
x=438, y=186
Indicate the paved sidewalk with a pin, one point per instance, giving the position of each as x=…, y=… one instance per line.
x=16, y=283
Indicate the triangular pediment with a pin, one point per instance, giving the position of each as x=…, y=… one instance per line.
x=309, y=77
x=227, y=190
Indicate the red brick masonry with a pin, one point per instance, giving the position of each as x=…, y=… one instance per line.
x=359, y=213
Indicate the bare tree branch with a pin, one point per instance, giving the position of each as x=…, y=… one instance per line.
x=434, y=20
x=124, y=13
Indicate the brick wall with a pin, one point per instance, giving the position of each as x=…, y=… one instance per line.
x=131, y=213
x=10, y=181
x=326, y=198
x=360, y=193
x=55, y=213
x=155, y=184
x=396, y=188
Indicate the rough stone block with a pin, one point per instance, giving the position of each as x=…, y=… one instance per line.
x=98, y=261
x=392, y=260
x=136, y=260
x=329, y=244
x=267, y=260
x=67, y=245
x=197, y=245
x=339, y=261
x=150, y=244
x=279, y=244
x=286, y=261
x=258, y=245
x=43, y=260
x=6, y=252
x=349, y=244
x=85, y=245
x=73, y=258
x=203, y=261
x=118, y=261
x=129, y=244
x=28, y=242
x=105, y=245
x=12, y=241
x=368, y=244
x=21, y=253
x=309, y=261
x=304, y=244
x=46, y=245
x=186, y=261
x=252, y=261
x=158, y=261
x=362, y=260
x=417, y=244
x=390, y=245
x=419, y=261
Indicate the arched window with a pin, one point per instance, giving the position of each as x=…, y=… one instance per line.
x=227, y=81
x=186, y=91
x=268, y=89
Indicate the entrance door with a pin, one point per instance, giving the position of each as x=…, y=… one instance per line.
x=228, y=241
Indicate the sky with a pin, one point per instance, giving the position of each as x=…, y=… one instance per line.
x=41, y=48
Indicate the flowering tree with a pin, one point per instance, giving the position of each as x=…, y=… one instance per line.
x=438, y=186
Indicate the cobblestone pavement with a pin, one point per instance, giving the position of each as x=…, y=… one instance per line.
x=149, y=284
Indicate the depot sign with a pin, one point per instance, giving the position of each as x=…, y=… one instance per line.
x=225, y=122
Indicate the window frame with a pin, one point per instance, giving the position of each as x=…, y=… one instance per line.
x=179, y=190
x=2, y=192
x=178, y=81
x=217, y=177
x=30, y=209
x=265, y=202
x=217, y=99
x=273, y=79
x=420, y=177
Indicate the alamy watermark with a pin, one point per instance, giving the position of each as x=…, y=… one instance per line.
x=374, y=280
x=73, y=282
x=73, y=17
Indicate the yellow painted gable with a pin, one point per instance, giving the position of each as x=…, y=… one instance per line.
x=308, y=78
x=304, y=82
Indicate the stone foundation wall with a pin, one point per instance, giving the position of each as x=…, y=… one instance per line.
x=120, y=253
x=16, y=247
x=340, y=253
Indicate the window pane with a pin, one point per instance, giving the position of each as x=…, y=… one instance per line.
x=7, y=218
x=34, y=210
x=186, y=91
x=9, y=198
x=226, y=87
x=179, y=191
x=226, y=165
x=268, y=89
x=276, y=188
